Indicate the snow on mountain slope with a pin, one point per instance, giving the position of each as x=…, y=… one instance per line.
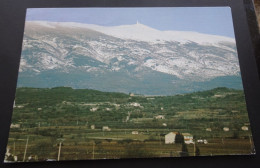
x=144, y=33
x=128, y=48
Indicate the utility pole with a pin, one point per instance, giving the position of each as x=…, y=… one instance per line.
x=93, y=157
x=250, y=140
x=59, y=151
x=14, y=147
x=251, y=144
x=194, y=149
x=25, y=150
x=61, y=140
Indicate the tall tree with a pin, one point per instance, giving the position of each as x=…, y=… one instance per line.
x=184, y=150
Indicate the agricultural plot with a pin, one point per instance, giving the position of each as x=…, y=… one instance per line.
x=74, y=124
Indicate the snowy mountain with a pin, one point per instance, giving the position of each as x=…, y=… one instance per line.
x=127, y=58
x=142, y=32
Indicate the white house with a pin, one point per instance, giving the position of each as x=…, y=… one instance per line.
x=108, y=109
x=132, y=94
x=170, y=138
x=244, y=128
x=106, y=128
x=92, y=126
x=135, y=104
x=93, y=109
x=15, y=126
x=159, y=117
x=188, y=138
x=208, y=129
x=225, y=129
x=135, y=132
x=202, y=141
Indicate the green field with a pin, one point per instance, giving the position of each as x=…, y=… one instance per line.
x=48, y=116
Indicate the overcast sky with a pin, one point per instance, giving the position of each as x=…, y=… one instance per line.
x=209, y=20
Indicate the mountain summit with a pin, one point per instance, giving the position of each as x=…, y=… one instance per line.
x=142, y=32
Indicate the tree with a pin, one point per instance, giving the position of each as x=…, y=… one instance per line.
x=197, y=151
x=184, y=150
x=179, y=138
x=97, y=142
x=235, y=135
x=108, y=140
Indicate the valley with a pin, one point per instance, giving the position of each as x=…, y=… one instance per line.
x=97, y=125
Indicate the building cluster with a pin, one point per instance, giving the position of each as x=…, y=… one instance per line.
x=170, y=138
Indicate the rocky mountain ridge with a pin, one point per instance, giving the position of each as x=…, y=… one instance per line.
x=136, y=57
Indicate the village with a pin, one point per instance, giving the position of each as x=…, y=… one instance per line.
x=116, y=125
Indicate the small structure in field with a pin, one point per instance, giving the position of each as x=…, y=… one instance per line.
x=219, y=95
x=164, y=124
x=39, y=109
x=117, y=105
x=92, y=127
x=202, y=141
x=15, y=125
x=188, y=138
x=244, y=128
x=208, y=129
x=106, y=128
x=226, y=129
x=93, y=109
x=135, y=132
x=108, y=109
x=132, y=94
x=170, y=138
x=159, y=117
x=135, y=104
x=20, y=106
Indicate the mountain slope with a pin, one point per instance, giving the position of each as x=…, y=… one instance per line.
x=127, y=58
